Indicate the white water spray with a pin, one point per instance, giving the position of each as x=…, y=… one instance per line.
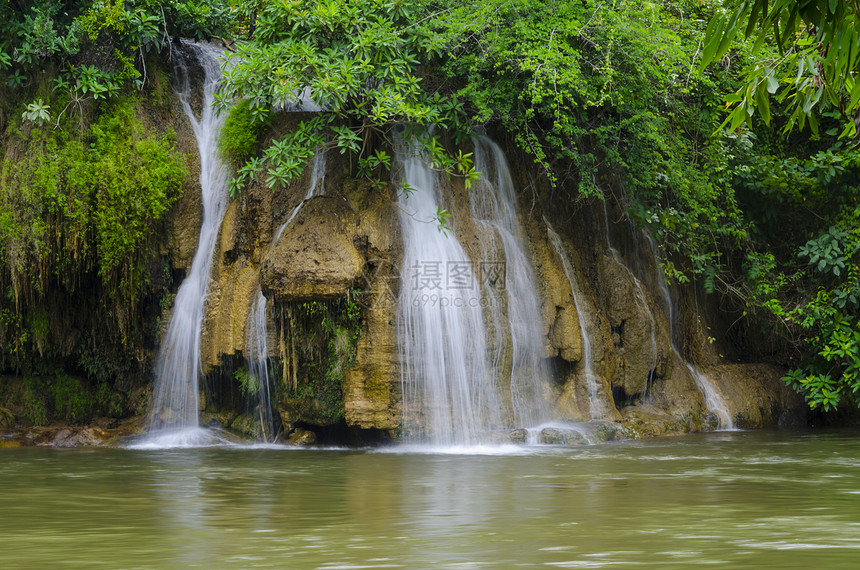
x=259, y=383
x=494, y=206
x=175, y=405
x=449, y=397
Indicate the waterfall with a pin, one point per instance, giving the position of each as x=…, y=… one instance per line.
x=447, y=385
x=713, y=400
x=258, y=386
x=494, y=205
x=640, y=294
x=316, y=187
x=175, y=404
x=596, y=404
x=258, y=383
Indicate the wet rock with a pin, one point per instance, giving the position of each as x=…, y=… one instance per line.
x=755, y=395
x=316, y=259
x=371, y=391
x=248, y=425
x=302, y=437
x=631, y=326
x=561, y=436
x=71, y=437
x=519, y=435
x=611, y=431
x=371, y=385
x=231, y=293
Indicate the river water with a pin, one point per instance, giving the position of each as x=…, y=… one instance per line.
x=726, y=499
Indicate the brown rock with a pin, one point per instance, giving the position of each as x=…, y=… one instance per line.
x=755, y=395
x=302, y=437
x=315, y=258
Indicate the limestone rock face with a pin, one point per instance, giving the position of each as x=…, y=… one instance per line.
x=345, y=247
x=558, y=308
x=186, y=217
x=228, y=302
x=630, y=325
x=317, y=258
x=756, y=397
x=372, y=384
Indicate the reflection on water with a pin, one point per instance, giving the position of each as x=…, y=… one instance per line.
x=737, y=499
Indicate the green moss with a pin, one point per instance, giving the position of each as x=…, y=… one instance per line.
x=240, y=134
x=325, y=334
x=35, y=406
x=81, y=206
x=71, y=400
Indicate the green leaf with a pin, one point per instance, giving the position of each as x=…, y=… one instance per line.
x=772, y=84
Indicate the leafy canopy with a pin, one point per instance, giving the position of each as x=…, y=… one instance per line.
x=813, y=70
x=356, y=61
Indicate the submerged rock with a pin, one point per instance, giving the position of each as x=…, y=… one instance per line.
x=611, y=431
x=519, y=435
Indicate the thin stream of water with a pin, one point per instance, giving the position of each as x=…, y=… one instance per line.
x=493, y=204
x=713, y=399
x=259, y=383
x=259, y=396
x=316, y=187
x=597, y=405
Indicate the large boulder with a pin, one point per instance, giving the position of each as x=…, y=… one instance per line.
x=317, y=258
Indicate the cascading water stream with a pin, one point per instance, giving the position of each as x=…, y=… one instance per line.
x=449, y=397
x=258, y=393
x=494, y=206
x=597, y=406
x=259, y=383
x=713, y=400
x=174, y=415
x=316, y=187
x=640, y=294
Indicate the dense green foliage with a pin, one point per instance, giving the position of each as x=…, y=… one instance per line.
x=606, y=96
x=814, y=69
x=614, y=90
x=359, y=61
x=84, y=185
x=803, y=69
x=85, y=205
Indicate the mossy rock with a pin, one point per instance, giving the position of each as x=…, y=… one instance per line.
x=7, y=419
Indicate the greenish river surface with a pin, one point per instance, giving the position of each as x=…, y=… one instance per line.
x=730, y=499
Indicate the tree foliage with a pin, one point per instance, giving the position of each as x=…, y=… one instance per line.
x=622, y=96
x=812, y=68
x=357, y=63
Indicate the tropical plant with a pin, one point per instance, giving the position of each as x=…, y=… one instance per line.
x=813, y=70
x=355, y=62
